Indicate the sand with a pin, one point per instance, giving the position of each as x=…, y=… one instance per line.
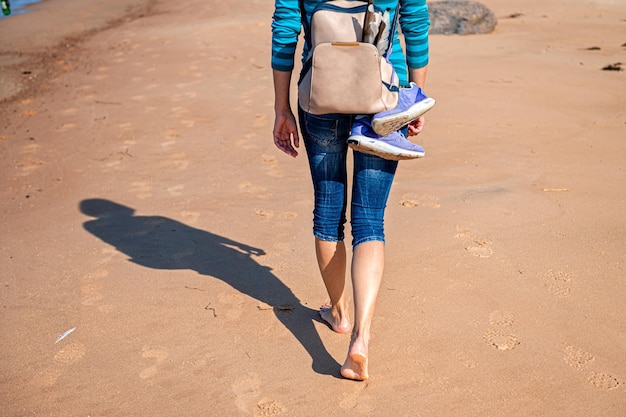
x=144, y=206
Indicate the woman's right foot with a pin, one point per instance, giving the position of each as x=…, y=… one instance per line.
x=333, y=319
x=355, y=366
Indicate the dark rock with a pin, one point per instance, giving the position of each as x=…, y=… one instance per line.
x=460, y=17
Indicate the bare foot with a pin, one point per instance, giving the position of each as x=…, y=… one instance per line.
x=355, y=366
x=338, y=324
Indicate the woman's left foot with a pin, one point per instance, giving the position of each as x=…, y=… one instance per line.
x=337, y=324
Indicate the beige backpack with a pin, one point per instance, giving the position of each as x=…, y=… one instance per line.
x=343, y=72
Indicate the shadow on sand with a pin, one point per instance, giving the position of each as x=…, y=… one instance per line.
x=162, y=243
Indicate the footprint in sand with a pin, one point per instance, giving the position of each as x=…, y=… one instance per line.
x=93, y=282
x=409, y=203
x=357, y=400
x=233, y=304
x=70, y=354
x=159, y=356
x=412, y=200
x=466, y=361
x=67, y=356
x=108, y=253
x=462, y=233
x=501, y=318
x=478, y=247
x=581, y=361
x=499, y=335
x=28, y=165
x=577, y=358
x=169, y=136
x=273, y=166
x=70, y=111
x=66, y=127
x=245, y=143
x=247, y=392
x=28, y=162
x=126, y=126
x=266, y=214
x=190, y=217
x=91, y=293
x=177, y=161
x=102, y=70
x=168, y=143
x=558, y=283
x=500, y=340
x=91, y=287
x=177, y=112
x=603, y=381
x=47, y=377
x=268, y=407
x=259, y=192
x=142, y=190
x=176, y=190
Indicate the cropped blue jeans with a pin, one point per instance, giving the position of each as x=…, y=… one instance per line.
x=325, y=139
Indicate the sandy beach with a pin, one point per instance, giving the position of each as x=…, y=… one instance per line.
x=156, y=253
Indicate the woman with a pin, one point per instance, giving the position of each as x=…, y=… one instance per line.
x=325, y=142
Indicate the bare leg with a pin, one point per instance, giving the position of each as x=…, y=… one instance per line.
x=331, y=259
x=367, y=272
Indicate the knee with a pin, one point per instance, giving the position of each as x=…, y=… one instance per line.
x=367, y=225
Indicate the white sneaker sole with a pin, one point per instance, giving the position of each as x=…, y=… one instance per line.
x=381, y=149
x=387, y=124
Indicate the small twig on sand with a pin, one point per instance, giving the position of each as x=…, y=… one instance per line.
x=211, y=309
x=194, y=288
x=282, y=307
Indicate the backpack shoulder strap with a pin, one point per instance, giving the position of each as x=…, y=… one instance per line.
x=392, y=30
x=305, y=24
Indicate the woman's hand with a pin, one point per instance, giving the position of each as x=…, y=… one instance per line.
x=286, y=131
x=285, y=127
x=418, y=76
x=416, y=126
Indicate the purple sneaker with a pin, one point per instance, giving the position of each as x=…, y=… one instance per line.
x=394, y=146
x=412, y=103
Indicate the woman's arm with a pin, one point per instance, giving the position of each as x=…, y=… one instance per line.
x=286, y=26
x=415, y=23
x=418, y=76
x=285, y=127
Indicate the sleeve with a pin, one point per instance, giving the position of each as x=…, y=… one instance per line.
x=415, y=22
x=286, y=26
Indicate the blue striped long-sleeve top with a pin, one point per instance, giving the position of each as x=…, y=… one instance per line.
x=414, y=23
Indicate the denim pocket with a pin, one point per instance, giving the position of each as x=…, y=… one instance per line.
x=322, y=130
